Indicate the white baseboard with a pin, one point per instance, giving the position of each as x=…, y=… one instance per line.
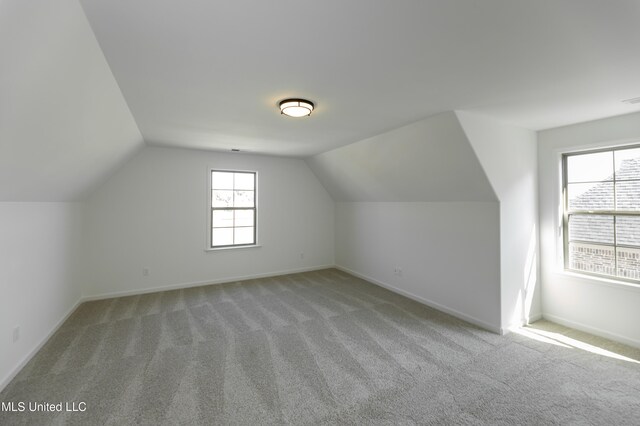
x=531, y=319
x=438, y=306
x=13, y=373
x=592, y=330
x=200, y=283
x=535, y=317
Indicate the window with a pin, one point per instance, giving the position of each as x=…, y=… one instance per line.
x=233, y=208
x=602, y=212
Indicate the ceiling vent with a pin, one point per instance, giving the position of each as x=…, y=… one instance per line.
x=632, y=101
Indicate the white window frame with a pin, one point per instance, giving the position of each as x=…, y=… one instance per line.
x=210, y=209
x=566, y=213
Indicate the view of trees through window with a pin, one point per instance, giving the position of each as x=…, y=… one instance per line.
x=233, y=208
x=602, y=212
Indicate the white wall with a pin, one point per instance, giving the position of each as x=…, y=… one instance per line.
x=601, y=307
x=508, y=155
x=153, y=214
x=40, y=244
x=64, y=124
x=417, y=198
x=429, y=160
x=448, y=253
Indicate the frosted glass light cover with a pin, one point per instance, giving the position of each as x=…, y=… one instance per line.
x=296, y=107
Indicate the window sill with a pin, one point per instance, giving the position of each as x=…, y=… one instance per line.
x=609, y=282
x=232, y=248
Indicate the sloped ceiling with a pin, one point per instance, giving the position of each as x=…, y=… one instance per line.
x=64, y=124
x=430, y=160
x=208, y=74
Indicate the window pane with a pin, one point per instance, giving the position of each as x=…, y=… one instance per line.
x=628, y=262
x=627, y=164
x=590, y=167
x=590, y=196
x=221, y=180
x=222, y=218
x=598, y=229
x=244, y=217
x=244, y=235
x=592, y=258
x=233, y=215
x=628, y=230
x=221, y=236
x=244, y=199
x=244, y=181
x=628, y=195
x=221, y=198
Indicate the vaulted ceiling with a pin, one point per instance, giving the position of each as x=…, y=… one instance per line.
x=64, y=125
x=209, y=74
x=430, y=160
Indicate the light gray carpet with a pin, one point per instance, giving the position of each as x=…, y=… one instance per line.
x=314, y=348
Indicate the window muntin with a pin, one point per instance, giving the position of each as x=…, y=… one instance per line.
x=601, y=218
x=233, y=208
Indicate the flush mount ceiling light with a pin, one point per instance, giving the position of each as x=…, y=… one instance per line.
x=296, y=107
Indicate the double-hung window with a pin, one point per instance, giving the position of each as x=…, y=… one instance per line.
x=233, y=208
x=602, y=212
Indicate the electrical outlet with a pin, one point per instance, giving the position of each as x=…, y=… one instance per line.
x=145, y=272
x=397, y=271
x=16, y=334
x=301, y=255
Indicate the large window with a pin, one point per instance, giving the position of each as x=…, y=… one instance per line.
x=233, y=208
x=602, y=212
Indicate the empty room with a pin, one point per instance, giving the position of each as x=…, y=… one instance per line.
x=319, y=213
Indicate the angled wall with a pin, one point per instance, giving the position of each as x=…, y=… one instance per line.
x=508, y=156
x=416, y=213
x=427, y=161
x=64, y=126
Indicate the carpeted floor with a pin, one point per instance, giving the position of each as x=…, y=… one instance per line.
x=314, y=348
